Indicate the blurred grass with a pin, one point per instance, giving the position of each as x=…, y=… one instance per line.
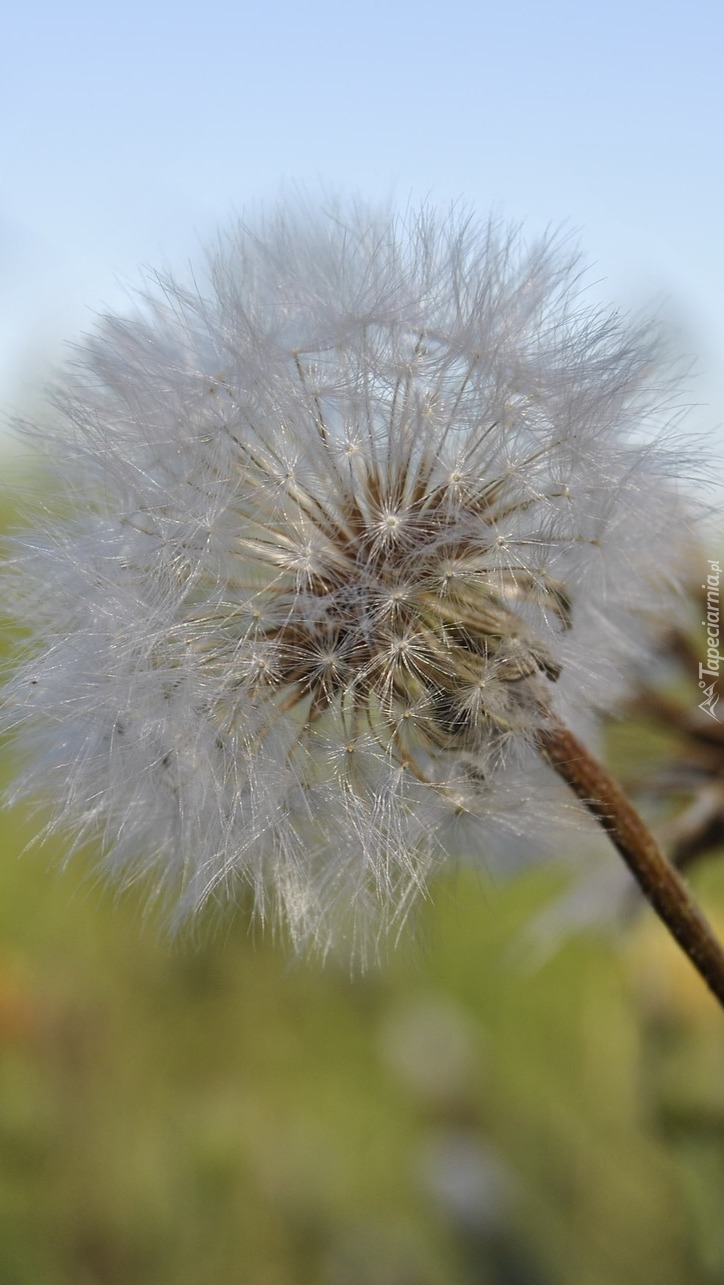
x=206, y=1112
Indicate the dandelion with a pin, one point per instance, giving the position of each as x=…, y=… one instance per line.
x=361, y=531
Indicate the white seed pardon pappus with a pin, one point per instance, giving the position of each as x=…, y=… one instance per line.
x=350, y=525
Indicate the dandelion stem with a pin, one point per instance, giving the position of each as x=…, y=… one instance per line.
x=660, y=883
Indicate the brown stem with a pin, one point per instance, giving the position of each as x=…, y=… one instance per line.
x=657, y=878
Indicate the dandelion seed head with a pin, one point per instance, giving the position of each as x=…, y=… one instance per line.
x=349, y=526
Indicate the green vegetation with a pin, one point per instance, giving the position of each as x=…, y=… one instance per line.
x=208, y=1113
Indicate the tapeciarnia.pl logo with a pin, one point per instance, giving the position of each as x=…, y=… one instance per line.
x=713, y=656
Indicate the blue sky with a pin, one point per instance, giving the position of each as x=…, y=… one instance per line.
x=131, y=133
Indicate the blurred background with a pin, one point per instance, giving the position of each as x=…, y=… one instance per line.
x=131, y=132
x=478, y=1112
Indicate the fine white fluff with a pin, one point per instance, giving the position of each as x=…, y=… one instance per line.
x=348, y=525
